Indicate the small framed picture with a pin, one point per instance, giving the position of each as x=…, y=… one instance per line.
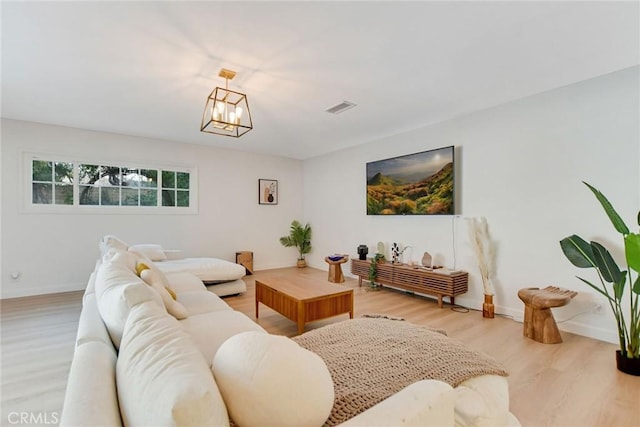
x=267, y=191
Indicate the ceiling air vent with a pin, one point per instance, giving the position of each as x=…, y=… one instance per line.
x=342, y=107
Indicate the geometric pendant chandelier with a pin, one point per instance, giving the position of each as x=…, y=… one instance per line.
x=226, y=111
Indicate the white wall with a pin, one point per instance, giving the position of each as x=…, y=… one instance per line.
x=57, y=252
x=520, y=165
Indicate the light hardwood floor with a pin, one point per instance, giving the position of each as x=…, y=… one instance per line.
x=570, y=384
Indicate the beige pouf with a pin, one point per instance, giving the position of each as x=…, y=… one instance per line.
x=268, y=380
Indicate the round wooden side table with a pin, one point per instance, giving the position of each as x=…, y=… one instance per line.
x=335, y=269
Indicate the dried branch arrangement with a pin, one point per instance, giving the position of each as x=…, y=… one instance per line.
x=484, y=250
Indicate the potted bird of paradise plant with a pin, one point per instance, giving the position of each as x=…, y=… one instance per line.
x=615, y=283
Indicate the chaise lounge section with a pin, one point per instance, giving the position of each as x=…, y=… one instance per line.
x=220, y=276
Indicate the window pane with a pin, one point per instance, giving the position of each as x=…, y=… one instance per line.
x=64, y=172
x=109, y=176
x=168, y=197
x=148, y=197
x=110, y=196
x=183, y=198
x=89, y=195
x=42, y=193
x=129, y=197
x=168, y=179
x=183, y=180
x=130, y=177
x=149, y=178
x=64, y=194
x=88, y=174
x=42, y=171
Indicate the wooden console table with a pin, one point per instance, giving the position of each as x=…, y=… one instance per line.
x=414, y=279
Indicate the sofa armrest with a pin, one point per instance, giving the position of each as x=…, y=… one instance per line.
x=91, y=398
x=422, y=404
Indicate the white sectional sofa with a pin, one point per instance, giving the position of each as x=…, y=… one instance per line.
x=144, y=359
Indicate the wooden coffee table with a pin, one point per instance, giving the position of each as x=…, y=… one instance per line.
x=303, y=299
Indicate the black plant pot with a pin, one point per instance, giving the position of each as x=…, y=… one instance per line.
x=627, y=365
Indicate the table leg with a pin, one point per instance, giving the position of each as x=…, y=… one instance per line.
x=351, y=311
x=257, y=302
x=300, y=318
x=439, y=300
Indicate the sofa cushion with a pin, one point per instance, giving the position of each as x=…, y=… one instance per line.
x=91, y=397
x=121, y=258
x=263, y=377
x=110, y=241
x=228, y=288
x=425, y=403
x=162, y=378
x=210, y=330
x=158, y=283
x=118, y=290
x=184, y=282
x=482, y=401
x=207, y=269
x=199, y=302
x=151, y=251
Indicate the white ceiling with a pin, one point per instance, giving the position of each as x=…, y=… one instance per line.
x=145, y=68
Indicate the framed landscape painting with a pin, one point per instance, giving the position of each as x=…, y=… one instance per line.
x=414, y=184
x=267, y=191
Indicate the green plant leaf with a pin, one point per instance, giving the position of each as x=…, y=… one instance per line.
x=632, y=250
x=605, y=263
x=617, y=222
x=300, y=237
x=577, y=251
x=618, y=287
x=286, y=242
x=636, y=286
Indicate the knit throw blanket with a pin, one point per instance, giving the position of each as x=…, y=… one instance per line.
x=371, y=359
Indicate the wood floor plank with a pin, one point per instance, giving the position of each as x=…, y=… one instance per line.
x=570, y=384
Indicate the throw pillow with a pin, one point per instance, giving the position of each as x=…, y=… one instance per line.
x=162, y=378
x=140, y=267
x=157, y=281
x=173, y=294
x=269, y=380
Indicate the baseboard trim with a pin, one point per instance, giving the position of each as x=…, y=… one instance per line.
x=19, y=292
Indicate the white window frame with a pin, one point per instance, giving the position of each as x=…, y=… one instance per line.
x=26, y=188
